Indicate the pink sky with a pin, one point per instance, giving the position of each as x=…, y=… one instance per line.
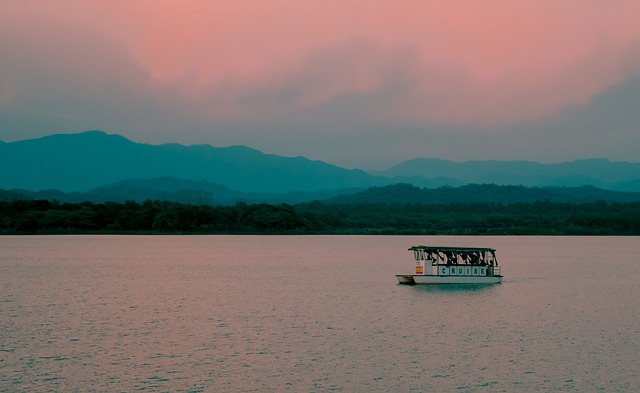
x=486, y=65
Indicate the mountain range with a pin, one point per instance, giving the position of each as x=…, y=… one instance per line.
x=103, y=166
x=601, y=173
x=84, y=161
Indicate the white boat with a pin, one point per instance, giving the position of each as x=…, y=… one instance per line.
x=453, y=265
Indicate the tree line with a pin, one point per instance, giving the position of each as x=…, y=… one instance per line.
x=152, y=216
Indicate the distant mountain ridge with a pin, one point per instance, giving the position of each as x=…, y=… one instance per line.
x=601, y=173
x=80, y=162
x=90, y=160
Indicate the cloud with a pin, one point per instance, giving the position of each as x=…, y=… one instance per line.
x=400, y=77
x=62, y=74
x=487, y=63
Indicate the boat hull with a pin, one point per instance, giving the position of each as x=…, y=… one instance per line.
x=405, y=279
x=432, y=279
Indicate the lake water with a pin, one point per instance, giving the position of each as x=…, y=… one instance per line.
x=314, y=314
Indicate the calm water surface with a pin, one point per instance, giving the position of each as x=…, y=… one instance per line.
x=314, y=314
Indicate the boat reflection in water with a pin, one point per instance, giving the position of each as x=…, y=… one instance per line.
x=453, y=265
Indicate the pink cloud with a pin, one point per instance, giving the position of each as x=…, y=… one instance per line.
x=487, y=63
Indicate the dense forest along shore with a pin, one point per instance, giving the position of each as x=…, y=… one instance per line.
x=151, y=216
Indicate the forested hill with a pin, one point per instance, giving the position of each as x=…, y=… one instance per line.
x=482, y=193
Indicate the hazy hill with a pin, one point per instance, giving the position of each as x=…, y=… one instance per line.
x=166, y=189
x=80, y=162
x=170, y=189
x=602, y=173
x=195, y=192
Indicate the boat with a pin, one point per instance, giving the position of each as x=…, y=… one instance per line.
x=453, y=265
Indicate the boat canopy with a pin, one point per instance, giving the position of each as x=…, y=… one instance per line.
x=455, y=255
x=452, y=249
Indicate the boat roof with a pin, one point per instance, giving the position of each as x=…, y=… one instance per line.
x=452, y=249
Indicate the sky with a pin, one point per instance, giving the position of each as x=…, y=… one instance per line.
x=356, y=83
